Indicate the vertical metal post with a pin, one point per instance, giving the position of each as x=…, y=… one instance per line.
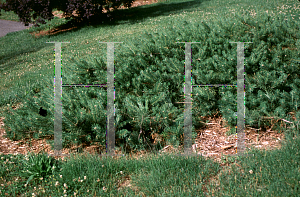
x=188, y=100
x=240, y=98
x=57, y=100
x=110, y=135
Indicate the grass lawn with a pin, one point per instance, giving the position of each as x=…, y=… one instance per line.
x=25, y=59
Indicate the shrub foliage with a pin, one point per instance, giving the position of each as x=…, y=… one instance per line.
x=149, y=81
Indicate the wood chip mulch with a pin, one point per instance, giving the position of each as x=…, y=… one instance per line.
x=212, y=141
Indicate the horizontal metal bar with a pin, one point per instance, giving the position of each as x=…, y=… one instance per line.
x=69, y=85
x=68, y=155
x=65, y=85
x=216, y=85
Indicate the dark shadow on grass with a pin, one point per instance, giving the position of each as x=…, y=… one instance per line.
x=137, y=14
x=24, y=49
x=132, y=15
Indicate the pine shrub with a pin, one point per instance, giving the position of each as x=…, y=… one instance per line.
x=149, y=79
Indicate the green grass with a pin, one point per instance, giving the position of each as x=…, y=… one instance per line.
x=28, y=60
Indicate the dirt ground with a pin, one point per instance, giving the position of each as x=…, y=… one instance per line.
x=212, y=141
